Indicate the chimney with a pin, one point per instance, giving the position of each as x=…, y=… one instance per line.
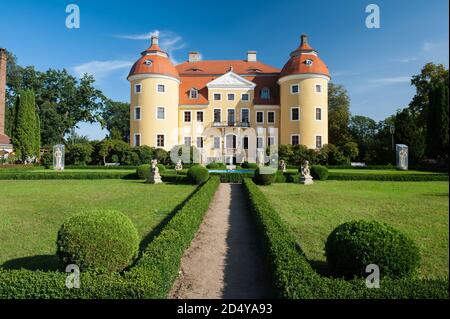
x=194, y=56
x=3, y=60
x=251, y=56
x=304, y=39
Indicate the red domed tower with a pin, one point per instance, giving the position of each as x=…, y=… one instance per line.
x=154, y=99
x=304, y=98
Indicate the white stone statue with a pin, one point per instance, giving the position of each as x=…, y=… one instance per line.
x=58, y=157
x=154, y=177
x=402, y=157
x=179, y=166
x=306, y=177
x=282, y=166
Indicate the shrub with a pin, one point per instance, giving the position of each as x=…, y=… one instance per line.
x=319, y=172
x=79, y=153
x=161, y=167
x=216, y=165
x=280, y=178
x=388, y=177
x=198, y=174
x=264, y=175
x=249, y=165
x=143, y=171
x=98, y=240
x=354, y=245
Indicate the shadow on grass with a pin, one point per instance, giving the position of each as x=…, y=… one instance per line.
x=38, y=262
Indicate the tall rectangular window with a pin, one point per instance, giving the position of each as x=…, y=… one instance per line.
x=259, y=117
x=295, y=139
x=216, y=142
x=217, y=96
x=137, y=88
x=161, y=113
x=230, y=116
x=271, y=117
x=137, y=113
x=245, y=115
x=294, y=89
x=160, y=140
x=187, y=140
x=295, y=114
x=259, y=142
x=245, y=142
x=217, y=115
x=318, y=88
x=200, y=116
x=187, y=116
x=161, y=88
x=199, y=142
x=318, y=114
x=137, y=139
x=318, y=141
x=270, y=141
x=245, y=97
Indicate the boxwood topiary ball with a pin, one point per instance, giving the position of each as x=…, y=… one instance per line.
x=100, y=240
x=319, y=172
x=352, y=246
x=198, y=174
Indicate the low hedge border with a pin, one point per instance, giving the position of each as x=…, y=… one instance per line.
x=294, y=278
x=152, y=276
x=66, y=175
x=232, y=177
x=388, y=177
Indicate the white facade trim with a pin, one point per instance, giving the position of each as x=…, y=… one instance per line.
x=231, y=80
x=266, y=107
x=135, y=113
x=163, y=107
x=290, y=113
x=138, y=77
x=274, y=117
x=164, y=86
x=298, y=135
x=303, y=76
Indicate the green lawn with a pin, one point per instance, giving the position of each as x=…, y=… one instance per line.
x=419, y=209
x=32, y=212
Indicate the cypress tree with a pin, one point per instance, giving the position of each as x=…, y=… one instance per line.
x=26, y=131
x=437, y=121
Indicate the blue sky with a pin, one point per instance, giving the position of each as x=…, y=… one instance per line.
x=375, y=65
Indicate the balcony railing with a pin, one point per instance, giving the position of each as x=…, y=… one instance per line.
x=231, y=124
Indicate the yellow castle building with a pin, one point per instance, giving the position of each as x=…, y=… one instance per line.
x=230, y=110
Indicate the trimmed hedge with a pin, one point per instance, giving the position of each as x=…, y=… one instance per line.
x=280, y=178
x=388, y=177
x=319, y=172
x=294, y=278
x=216, y=166
x=66, y=175
x=151, y=277
x=198, y=174
x=143, y=171
x=264, y=175
x=98, y=240
x=354, y=245
x=248, y=165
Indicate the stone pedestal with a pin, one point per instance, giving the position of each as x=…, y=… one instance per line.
x=154, y=178
x=306, y=180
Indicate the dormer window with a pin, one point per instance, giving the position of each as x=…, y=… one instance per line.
x=309, y=62
x=194, y=70
x=148, y=62
x=254, y=71
x=193, y=94
x=265, y=94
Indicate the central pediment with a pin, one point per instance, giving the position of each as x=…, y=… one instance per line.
x=231, y=80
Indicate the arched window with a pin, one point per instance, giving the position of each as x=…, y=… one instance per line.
x=265, y=94
x=193, y=94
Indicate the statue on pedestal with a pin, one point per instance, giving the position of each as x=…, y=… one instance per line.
x=154, y=177
x=179, y=166
x=305, y=175
x=58, y=157
x=282, y=166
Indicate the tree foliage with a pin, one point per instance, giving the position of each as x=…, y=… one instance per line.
x=338, y=114
x=116, y=119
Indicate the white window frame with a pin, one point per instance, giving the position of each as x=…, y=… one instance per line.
x=203, y=116
x=268, y=94
x=290, y=113
x=134, y=139
x=135, y=113
x=274, y=117
x=270, y=137
x=298, y=135
x=231, y=108
x=228, y=97
x=321, y=88
x=184, y=117
x=214, y=114
x=321, y=113
x=249, y=116
x=157, y=88
x=242, y=97
x=220, y=96
x=298, y=89
x=214, y=142
x=256, y=117
x=164, y=108
x=164, y=140
x=190, y=94
x=190, y=140
x=203, y=142
x=315, y=141
x=135, y=88
x=248, y=142
x=263, y=143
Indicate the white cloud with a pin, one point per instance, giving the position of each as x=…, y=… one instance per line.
x=389, y=81
x=436, y=52
x=405, y=60
x=101, y=69
x=168, y=41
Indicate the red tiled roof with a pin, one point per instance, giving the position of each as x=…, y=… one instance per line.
x=297, y=65
x=223, y=66
x=4, y=139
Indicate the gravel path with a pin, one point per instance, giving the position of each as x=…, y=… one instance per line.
x=225, y=258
